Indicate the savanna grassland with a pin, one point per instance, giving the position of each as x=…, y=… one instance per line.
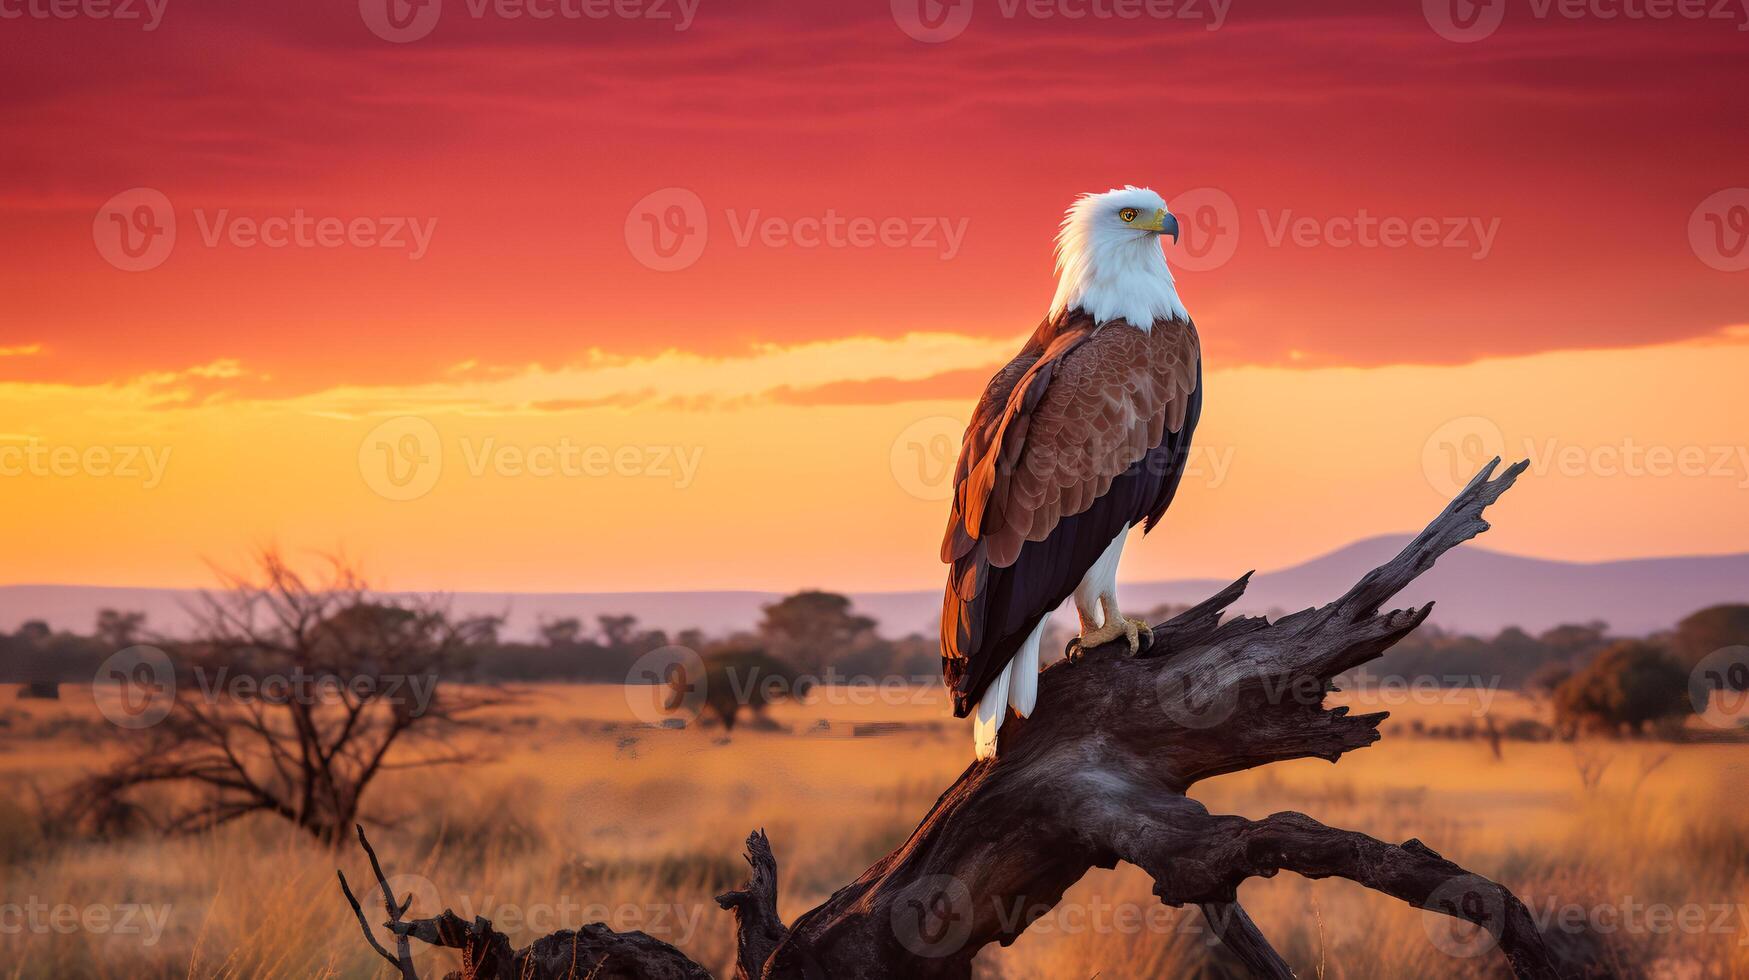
x=1635, y=854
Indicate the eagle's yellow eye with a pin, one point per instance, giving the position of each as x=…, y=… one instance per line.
x=1127, y=214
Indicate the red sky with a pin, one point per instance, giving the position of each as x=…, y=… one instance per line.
x=528, y=140
x=1568, y=153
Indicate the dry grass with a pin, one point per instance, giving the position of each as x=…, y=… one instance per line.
x=583, y=817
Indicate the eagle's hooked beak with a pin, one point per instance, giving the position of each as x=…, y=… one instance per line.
x=1164, y=222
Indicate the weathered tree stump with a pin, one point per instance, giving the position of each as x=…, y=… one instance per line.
x=1097, y=775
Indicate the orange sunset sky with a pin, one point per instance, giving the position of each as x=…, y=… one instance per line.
x=562, y=295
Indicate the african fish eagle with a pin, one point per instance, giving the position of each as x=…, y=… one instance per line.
x=1082, y=436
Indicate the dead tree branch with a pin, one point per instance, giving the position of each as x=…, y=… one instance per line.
x=402, y=961
x=1098, y=774
x=759, y=929
x=594, y=952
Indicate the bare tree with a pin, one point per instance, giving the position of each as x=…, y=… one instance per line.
x=292, y=697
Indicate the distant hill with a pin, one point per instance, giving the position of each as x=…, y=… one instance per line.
x=1478, y=591
x=1481, y=591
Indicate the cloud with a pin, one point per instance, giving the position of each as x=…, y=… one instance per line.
x=852, y=371
x=856, y=370
x=622, y=400
x=949, y=385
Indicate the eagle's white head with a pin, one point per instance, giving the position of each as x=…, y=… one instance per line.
x=1109, y=260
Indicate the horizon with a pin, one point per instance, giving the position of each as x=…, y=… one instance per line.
x=1476, y=591
x=1393, y=536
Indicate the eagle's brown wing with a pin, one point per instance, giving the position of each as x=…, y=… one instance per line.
x=1083, y=433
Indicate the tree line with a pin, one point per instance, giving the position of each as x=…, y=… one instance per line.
x=821, y=634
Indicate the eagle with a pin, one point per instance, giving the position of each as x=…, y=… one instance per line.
x=1078, y=439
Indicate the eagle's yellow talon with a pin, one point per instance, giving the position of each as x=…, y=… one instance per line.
x=1105, y=634
x=1141, y=635
x=1134, y=632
